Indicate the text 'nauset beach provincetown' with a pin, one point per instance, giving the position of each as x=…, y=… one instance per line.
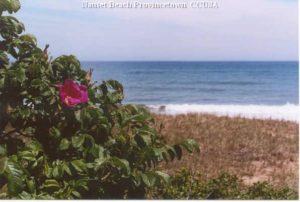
x=151, y=5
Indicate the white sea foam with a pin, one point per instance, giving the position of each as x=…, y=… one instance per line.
x=288, y=111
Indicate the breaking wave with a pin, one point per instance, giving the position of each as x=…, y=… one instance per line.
x=289, y=112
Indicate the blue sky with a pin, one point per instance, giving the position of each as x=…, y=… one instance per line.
x=237, y=30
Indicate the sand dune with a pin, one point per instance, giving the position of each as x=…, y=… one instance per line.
x=254, y=149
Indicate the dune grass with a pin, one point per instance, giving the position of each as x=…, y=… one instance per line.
x=253, y=149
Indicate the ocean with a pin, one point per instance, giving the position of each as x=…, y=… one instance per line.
x=248, y=89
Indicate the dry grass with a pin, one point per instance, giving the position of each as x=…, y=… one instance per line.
x=255, y=150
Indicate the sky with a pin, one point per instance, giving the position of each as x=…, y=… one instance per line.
x=235, y=30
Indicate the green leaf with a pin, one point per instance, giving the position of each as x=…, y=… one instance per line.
x=25, y=196
x=64, y=144
x=34, y=146
x=78, y=115
x=77, y=141
x=3, y=164
x=115, y=85
x=146, y=180
x=27, y=155
x=79, y=165
x=98, y=163
x=15, y=5
x=3, y=61
x=20, y=75
x=15, y=176
x=143, y=140
x=1, y=83
x=31, y=185
x=54, y=132
x=3, y=150
x=121, y=163
x=98, y=151
x=76, y=194
x=81, y=184
x=10, y=27
x=9, y=5
x=67, y=169
x=57, y=171
x=51, y=184
x=152, y=178
x=29, y=38
x=36, y=83
x=165, y=177
x=47, y=171
x=89, y=141
x=136, y=178
x=190, y=145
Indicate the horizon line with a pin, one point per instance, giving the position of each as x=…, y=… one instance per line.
x=189, y=60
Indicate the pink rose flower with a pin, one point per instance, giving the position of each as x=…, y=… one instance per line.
x=72, y=94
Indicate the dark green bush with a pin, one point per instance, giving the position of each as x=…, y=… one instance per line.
x=96, y=149
x=187, y=185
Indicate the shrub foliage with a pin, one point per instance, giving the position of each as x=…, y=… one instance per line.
x=187, y=185
x=98, y=149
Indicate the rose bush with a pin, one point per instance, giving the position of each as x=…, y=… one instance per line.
x=73, y=140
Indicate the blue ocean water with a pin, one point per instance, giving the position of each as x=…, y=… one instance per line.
x=217, y=83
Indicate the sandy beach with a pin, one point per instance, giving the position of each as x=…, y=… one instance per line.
x=253, y=149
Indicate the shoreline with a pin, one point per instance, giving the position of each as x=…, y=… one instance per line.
x=287, y=112
x=253, y=149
